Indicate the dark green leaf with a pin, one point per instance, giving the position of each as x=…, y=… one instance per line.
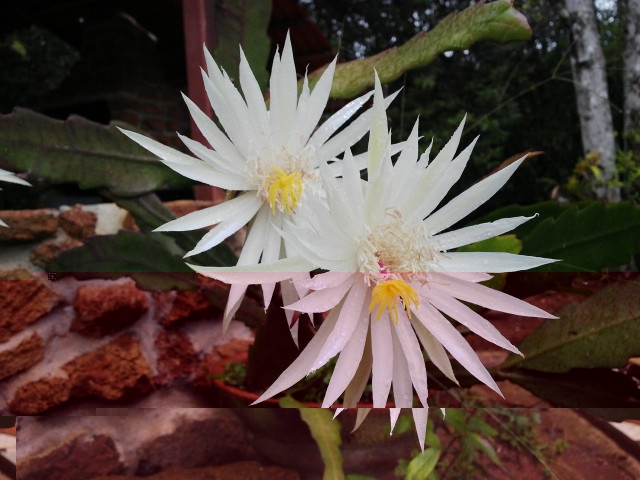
x=602, y=331
x=587, y=239
x=126, y=253
x=83, y=152
x=580, y=388
x=149, y=213
x=543, y=211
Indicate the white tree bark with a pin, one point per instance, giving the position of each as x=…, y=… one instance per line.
x=631, y=76
x=590, y=82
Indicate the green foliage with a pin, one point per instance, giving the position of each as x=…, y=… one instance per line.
x=602, y=331
x=83, y=152
x=423, y=465
x=34, y=63
x=235, y=374
x=326, y=432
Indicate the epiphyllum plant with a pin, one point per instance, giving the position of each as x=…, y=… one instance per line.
x=6, y=176
x=390, y=272
x=269, y=155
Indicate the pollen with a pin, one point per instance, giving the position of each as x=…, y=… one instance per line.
x=385, y=296
x=284, y=190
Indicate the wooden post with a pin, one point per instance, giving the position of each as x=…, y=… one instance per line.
x=199, y=29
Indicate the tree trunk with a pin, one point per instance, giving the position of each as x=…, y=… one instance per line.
x=631, y=77
x=592, y=97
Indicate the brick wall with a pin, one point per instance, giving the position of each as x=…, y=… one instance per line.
x=71, y=346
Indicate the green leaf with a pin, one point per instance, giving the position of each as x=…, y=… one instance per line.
x=83, y=152
x=496, y=21
x=602, y=331
x=240, y=23
x=326, y=432
x=483, y=444
x=580, y=387
x=126, y=253
x=421, y=466
x=587, y=239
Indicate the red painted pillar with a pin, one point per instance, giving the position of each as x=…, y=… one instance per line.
x=199, y=29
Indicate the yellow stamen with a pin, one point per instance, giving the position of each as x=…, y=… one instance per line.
x=286, y=188
x=385, y=295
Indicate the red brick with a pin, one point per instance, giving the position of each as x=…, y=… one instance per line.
x=102, y=310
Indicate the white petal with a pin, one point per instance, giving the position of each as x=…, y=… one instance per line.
x=254, y=274
x=413, y=355
x=440, y=299
x=213, y=134
x=476, y=233
x=394, y=413
x=402, y=391
x=212, y=215
x=359, y=382
x=325, y=280
x=406, y=162
x=436, y=188
x=335, y=121
x=224, y=164
x=249, y=255
x=489, y=298
x=323, y=300
x=225, y=229
x=349, y=135
x=236, y=295
x=382, y=368
x=188, y=166
x=7, y=176
x=350, y=310
x=469, y=200
x=283, y=93
x=453, y=341
x=253, y=95
x=301, y=365
x=492, y=262
x=350, y=356
x=420, y=417
x=435, y=350
x=378, y=134
x=317, y=102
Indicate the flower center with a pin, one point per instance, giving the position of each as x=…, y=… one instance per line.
x=385, y=295
x=284, y=190
x=402, y=248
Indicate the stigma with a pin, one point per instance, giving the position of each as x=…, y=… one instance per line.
x=385, y=295
x=284, y=190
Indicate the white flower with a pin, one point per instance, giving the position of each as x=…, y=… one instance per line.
x=269, y=155
x=6, y=176
x=391, y=278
